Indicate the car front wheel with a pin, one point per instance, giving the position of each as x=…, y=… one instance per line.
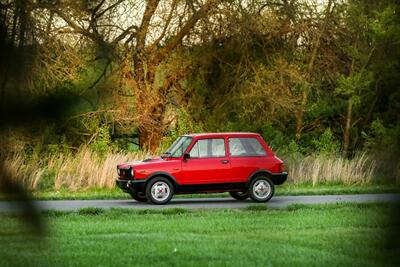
x=159, y=191
x=138, y=196
x=261, y=189
x=239, y=195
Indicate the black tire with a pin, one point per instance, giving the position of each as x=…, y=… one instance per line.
x=139, y=196
x=164, y=184
x=239, y=195
x=263, y=182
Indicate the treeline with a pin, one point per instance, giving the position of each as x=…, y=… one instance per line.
x=307, y=75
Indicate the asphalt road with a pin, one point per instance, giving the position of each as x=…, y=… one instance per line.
x=202, y=203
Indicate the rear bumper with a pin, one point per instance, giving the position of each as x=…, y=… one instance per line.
x=129, y=186
x=279, y=178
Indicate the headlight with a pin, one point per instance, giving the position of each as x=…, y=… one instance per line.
x=131, y=170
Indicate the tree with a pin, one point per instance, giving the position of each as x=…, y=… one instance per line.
x=147, y=52
x=369, y=29
x=352, y=88
x=315, y=45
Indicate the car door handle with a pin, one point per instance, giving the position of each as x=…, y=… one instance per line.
x=225, y=161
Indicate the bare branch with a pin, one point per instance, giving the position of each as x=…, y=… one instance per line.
x=167, y=22
x=176, y=40
x=103, y=74
x=108, y=8
x=143, y=29
x=125, y=33
x=96, y=8
x=75, y=26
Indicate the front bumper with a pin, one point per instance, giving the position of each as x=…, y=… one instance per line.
x=129, y=186
x=279, y=178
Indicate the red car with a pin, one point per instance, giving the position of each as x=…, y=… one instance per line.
x=239, y=163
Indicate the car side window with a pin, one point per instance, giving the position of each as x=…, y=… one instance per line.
x=208, y=148
x=245, y=147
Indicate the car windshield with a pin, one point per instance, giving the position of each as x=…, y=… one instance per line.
x=177, y=149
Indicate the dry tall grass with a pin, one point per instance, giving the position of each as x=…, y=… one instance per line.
x=326, y=169
x=86, y=169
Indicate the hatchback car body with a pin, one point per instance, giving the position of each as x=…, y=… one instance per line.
x=239, y=163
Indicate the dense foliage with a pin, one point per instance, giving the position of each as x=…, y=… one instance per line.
x=307, y=75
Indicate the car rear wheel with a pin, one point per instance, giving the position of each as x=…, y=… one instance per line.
x=159, y=191
x=139, y=196
x=239, y=195
x=261, y=189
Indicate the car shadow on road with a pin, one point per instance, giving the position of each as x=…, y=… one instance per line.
x=207, y=200
x=187, y=202
x=178, y=201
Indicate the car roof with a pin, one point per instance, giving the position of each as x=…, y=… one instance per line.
x=236, y=134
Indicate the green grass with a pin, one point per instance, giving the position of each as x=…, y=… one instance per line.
x=332, y=189
x=284, y=190
x=320, y=235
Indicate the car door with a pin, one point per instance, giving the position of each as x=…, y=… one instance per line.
x=208, y=163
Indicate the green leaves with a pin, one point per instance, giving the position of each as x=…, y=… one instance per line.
x=385, y=25
x=352, y=86
x=326, y=143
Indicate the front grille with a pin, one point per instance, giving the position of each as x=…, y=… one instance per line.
x=125, y=174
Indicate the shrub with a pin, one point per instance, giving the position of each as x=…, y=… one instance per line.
x=274, y=137
x=102, y=141
x=378, y=137
x=326, y=143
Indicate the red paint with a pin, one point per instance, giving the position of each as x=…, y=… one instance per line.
x=223, y=169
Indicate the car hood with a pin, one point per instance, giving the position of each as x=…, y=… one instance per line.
x=143, y=163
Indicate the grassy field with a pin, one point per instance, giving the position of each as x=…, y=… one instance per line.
x=284, y=190
x=322, y=235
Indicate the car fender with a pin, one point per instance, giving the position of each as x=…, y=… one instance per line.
x=276, y=178
x=163, y=174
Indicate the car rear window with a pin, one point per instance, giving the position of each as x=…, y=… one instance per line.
x=245, y=147
x=208, y=148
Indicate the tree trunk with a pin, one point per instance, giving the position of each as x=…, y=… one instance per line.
x=150, y=138
x=300, y=114
x=368, y=117
x=346, y=133
x=23, y=16
x=151, y=101
x=151, y=125
x=310, y=68
x=150, y=105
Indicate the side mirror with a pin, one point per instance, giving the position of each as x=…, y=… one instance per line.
x=186, y=156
